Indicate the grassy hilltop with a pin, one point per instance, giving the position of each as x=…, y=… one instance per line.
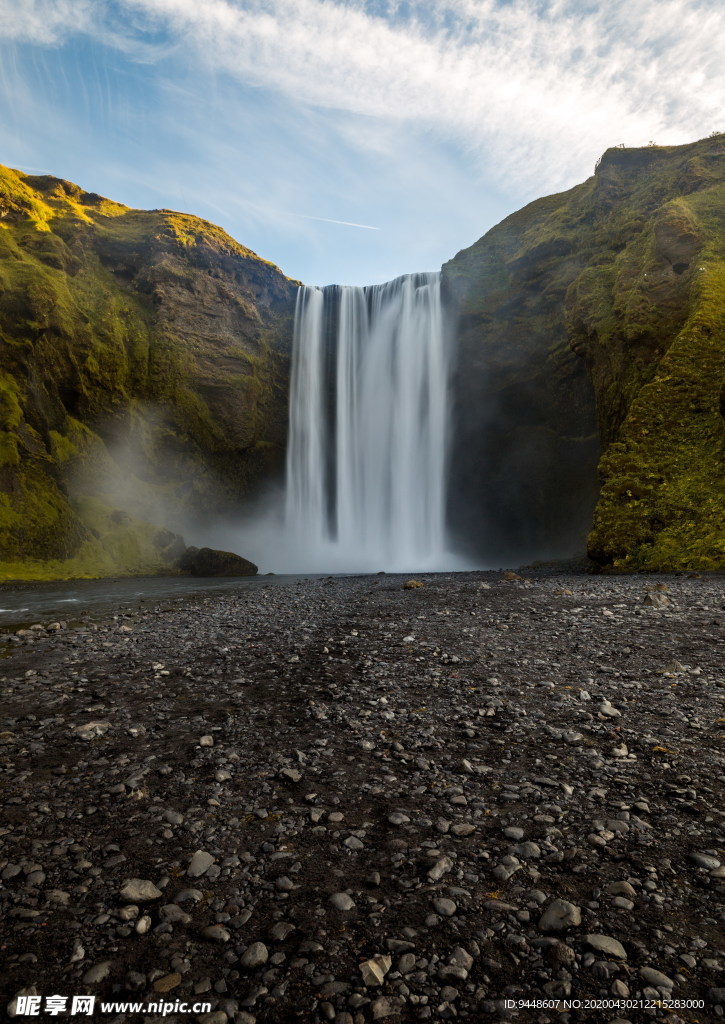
x=143, y=377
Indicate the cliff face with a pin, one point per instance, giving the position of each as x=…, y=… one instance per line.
x=144, y=366
x=592, y=330
x=143, y=377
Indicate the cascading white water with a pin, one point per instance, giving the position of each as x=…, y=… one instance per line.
x=368, y=428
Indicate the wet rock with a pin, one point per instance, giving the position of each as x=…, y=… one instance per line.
x=210, y=562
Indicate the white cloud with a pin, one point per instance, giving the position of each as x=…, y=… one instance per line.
x=43, y=21
x=545, y=86
x=536, y=88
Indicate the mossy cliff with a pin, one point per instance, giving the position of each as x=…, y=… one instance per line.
x=592, y=331
x=144, y=360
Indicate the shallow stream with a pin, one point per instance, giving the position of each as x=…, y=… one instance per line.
x=22, y=604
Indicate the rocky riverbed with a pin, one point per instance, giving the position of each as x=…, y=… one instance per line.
x=347, y=800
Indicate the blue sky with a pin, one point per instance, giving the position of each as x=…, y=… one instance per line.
x=349, y=141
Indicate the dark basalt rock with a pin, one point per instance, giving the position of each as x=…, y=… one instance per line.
x=588, y=393
x=211, y=562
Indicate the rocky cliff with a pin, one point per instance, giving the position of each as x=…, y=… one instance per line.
x=143, y=377
x=591, y=384
x=144, y=373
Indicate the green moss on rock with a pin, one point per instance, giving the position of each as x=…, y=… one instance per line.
x=625, y=274
x=150, y=332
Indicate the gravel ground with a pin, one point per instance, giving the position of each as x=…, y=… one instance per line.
x=481, y=798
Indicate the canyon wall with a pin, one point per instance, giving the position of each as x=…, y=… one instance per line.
x=591, y=368
x=144, y=365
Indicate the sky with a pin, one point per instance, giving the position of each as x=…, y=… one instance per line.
x=350, y=141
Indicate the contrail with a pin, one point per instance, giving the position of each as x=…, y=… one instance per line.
x=345, y=223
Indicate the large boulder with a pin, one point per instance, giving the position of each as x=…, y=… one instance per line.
x=210, y=562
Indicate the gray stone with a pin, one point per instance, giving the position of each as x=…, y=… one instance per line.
x=441, y=867
x=529, y=851
x=99, y=972
x=406, y=963
x=140, y=890
x=174, y=915
x=386, y=1006
x=91, y=730
x=621, y=889
x=462, y=829
x=254, y=956
x=461, y=957
x=704, y=860
x=341, y=901
x=507, y=867
x=199, y=864
x=655, y=978
x=621, y=903
x=607, y=945
x=215, y=933
x=373, y=971
x=559, y=916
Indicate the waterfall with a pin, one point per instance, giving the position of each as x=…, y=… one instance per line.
x=368, y=427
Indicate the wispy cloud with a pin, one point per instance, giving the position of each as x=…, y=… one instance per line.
x=543, y=84
x=432, y=117
x=44, y=21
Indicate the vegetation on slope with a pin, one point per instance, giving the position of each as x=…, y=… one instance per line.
x=142, y=367
x=626, y=272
